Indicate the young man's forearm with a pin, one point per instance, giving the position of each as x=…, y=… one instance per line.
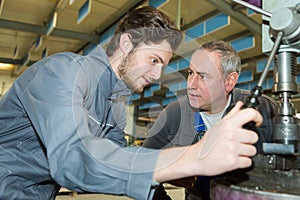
x=225, y=147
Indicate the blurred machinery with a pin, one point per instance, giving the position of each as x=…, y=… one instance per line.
x=275, y=174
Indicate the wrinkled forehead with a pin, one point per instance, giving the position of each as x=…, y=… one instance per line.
x=206, y=61
x=162, y=46
x=163, y=50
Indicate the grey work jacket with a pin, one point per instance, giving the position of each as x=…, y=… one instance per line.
x=61, y=124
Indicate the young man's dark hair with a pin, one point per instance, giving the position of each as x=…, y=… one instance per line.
x=145, y=25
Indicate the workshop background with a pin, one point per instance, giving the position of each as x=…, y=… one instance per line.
x=33, y=29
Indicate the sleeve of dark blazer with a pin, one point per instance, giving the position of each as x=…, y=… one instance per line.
x=164, y=128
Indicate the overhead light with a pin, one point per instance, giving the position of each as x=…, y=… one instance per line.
x=71, y=2
x=52, y=24
x=5, y=66
x=84, y=11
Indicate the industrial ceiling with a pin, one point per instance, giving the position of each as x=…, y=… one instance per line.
x=26, y=34
x=24, y=27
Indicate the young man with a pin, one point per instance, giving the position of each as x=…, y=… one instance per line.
x=61, y=123
x=212, y=75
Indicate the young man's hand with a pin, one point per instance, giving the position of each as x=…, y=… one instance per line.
x=225, y=147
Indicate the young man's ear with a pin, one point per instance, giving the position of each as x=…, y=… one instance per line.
x=125, y=43
x=231, y=80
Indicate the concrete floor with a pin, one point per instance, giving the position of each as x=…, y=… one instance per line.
x=174, y=192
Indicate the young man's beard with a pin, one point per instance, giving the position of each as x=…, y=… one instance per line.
x=126, y=74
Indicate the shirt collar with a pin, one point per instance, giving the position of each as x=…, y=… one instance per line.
x=119, y=88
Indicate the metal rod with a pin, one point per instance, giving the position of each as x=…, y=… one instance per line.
x=252, y=7
x=178, y=15
x=271, y=57
x=1, y=7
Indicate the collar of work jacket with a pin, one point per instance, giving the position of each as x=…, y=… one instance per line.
x=119, y=88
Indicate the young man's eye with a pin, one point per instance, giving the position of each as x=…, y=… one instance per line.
x=154, y=60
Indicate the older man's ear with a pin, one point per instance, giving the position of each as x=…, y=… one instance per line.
x=231, y=81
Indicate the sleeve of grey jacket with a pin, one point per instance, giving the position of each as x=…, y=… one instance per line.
x=77, y=159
